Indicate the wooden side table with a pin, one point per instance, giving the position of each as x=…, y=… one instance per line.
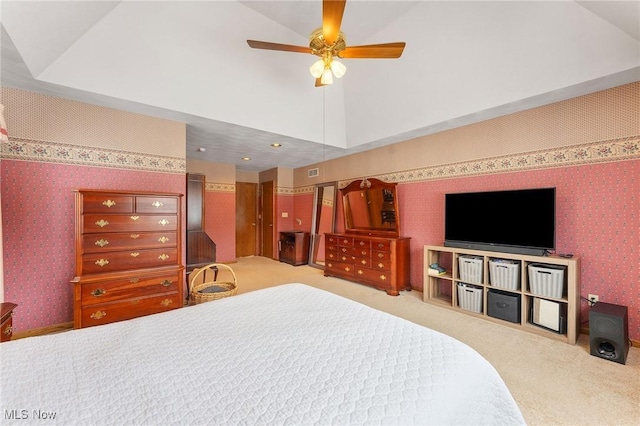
x=6, y=313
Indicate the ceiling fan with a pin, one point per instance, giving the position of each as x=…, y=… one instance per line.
x=328, y=42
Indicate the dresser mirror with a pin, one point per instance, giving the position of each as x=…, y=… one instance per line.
x=371, y=208
x=324, y=213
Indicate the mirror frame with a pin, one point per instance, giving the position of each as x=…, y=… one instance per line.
x=316, y=236
x=368, y=185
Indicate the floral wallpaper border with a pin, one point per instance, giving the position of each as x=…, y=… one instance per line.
x=590, y=153
x=30, y=150
x=219, y=187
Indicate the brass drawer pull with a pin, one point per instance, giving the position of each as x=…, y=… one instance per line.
x=135, y=236
x=347, y=269
x=363, y=261
x=166, y=302
x=135, y=254
x=360, y=272
x=134, y=218
x=102, y=262
x=163, y=256
x=102, y=243
x=166, y=283
x=102, y=223
x=163, y=239
x=109, y=203
x=98, y=315
x=99, y=292
x=157, y=204
x=163, y=222
x=383, y=277
x=380, y=265
x=8, y=330
x=380, y=255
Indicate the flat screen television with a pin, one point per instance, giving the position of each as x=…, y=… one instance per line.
x=515, y=221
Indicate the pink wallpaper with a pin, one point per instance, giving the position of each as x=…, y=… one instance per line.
x=597, y=219
x=38, y=231
x=220, y=223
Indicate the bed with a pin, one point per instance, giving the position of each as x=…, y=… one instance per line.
x=290, y=354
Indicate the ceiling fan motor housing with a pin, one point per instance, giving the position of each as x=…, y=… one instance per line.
x=320, y=48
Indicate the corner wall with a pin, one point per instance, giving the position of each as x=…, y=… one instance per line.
x=587, y=147
x=55, y=147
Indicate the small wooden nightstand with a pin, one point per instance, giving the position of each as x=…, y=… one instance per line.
x=6, y=312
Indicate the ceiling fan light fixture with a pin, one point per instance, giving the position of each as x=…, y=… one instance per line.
x=317, y=69
x=327, y=76
x=338, y=68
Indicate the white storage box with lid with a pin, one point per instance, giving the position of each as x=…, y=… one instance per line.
x=504, y=273
x=470, y=297
x=470, y=269
x=546, y=280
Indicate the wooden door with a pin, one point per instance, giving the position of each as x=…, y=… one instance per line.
x=267, y=219
x=246, y=219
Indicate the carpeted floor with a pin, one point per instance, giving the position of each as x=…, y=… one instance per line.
x=553, y=382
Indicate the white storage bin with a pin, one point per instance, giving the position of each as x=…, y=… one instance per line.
x=546, y=280
x=505, y=273
x=470, y=269
x=470, y=297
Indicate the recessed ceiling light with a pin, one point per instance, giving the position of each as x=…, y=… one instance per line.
x=246, y=158
x=276, y=145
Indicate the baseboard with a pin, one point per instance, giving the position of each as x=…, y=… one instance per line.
x=636, y=343
x=51, y=329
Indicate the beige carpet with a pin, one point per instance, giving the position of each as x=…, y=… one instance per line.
x=552, y=382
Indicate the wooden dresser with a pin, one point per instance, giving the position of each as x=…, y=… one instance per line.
x=376, y=261
x=371, y=250
x=128, y=255
x=6, y=321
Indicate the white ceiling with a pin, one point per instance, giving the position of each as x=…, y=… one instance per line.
x=189, y=61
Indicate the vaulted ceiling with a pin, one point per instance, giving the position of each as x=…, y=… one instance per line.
x=189, y=61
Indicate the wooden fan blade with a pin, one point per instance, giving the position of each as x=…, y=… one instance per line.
x=384, y=51
x=277, y=46
x=332, y=11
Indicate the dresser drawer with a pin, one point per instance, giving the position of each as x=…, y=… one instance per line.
x=331, y=255
x=128, y=223
x=128, y=288
x=145, y=204
x=6, y=329
x=107, y=203
x=97, y=243
x=345, y=241
x=134, y=259
x=118, y=311
x=381, y=278
x=341, y=268
x=362, y=262
x=360, y=243
x=381, y=245
x=380, y=256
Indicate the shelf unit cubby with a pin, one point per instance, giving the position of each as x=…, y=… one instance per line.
x=442, y=290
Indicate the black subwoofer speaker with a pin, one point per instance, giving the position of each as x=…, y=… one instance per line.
x=609, y=332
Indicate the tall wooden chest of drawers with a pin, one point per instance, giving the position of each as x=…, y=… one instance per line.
x=380, y=262
x=128, y=255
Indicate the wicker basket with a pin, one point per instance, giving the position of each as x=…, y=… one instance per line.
x=204, y=285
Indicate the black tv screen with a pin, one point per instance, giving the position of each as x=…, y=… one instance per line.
x=514, y=221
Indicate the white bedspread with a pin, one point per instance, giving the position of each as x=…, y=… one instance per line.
x=291, y=354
